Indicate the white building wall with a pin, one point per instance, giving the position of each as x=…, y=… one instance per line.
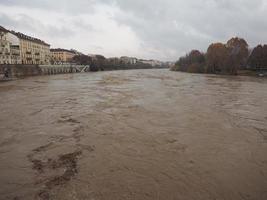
x=13, y=39
x=7, y=40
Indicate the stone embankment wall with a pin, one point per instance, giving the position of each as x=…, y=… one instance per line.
x=16, y=71
x=20, y=70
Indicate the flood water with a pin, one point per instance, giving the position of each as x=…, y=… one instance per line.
x=134, y=135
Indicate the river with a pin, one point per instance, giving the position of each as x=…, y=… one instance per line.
x=137, y=134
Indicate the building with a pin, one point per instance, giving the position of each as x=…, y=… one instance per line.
x=128, y=60
x=9, y=47
x=153, y=63
x=60, y=56
x=76, y=52
x=18, y=48
x=33, y=50
x=114, y=61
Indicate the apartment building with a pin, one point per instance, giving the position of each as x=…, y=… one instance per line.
x=9, y=47
x=33, y=50
x=153, y=63
x=18, y=48
x=129, y=60
x=60, y=56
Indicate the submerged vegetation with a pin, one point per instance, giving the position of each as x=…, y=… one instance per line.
x=229, y=58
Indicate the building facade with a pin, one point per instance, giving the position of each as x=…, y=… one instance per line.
x=9, y=48
x=153, y=63
x=33, y=50
x=129, y=60
x=17, y=48
x=61, y=56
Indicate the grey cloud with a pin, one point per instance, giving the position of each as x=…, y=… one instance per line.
x=25, y=23
x=203, y=21
x=166, y=28
x=65, y=6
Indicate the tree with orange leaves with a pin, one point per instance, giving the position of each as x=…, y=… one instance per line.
x=216, y=58
x=238, y=54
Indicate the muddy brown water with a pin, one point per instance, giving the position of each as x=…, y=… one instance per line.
x=137, y=135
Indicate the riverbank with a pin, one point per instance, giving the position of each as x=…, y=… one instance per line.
x=11, y=72
x=252, y=73
x=16, y=71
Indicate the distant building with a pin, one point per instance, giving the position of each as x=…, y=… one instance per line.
x=9, y=47
x=76, y=52
x=60, y=56
x=151, y=62
x=128, y=60
x=18, y=48
x=114, y=61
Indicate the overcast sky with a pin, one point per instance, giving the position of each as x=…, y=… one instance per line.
x=158, y=29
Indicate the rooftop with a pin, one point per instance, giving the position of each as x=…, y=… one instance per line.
x=26, y=37
x=3, y=29
x=23, y=36
x=62, y=50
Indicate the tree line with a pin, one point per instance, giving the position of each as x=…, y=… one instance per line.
x=222, y=58
x=100, y=63
x=95, y=63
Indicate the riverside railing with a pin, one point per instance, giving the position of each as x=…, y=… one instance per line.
x=62, y=69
